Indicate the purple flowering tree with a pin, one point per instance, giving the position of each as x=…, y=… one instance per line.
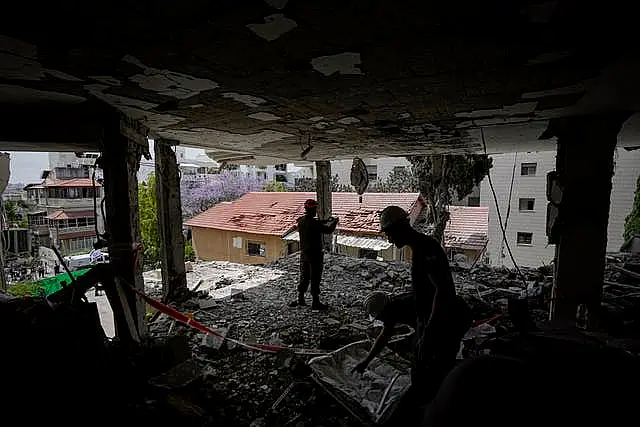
x=200, y=195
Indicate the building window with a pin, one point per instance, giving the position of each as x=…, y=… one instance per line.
x=528, y=169
x=281, y=167
x=281, y=178
x=368, y=253
x=261, y=174
x=525, y=238
x=372, y=172
x=527, y=204
x=473, y=201
x=256, y=249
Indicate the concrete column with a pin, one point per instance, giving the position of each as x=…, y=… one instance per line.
x=584, y=164
x=323, y=191
x=120, y=163
x=174, y=276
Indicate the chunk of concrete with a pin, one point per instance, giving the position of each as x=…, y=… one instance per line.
x=212, y=342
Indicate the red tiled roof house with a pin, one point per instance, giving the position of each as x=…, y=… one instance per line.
x=260, y=227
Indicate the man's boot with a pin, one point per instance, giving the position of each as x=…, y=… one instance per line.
x=299, y=302
x=317, y=305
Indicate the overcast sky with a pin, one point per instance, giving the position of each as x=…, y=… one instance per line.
x=27, y=167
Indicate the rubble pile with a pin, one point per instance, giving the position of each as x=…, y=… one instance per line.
x=252, y=382
x=262, y=389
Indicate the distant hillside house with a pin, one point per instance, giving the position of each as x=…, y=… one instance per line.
x=261, y=227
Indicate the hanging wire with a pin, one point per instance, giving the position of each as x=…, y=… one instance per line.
x=504, y=232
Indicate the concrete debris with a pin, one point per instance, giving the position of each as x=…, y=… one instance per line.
x=250, y=382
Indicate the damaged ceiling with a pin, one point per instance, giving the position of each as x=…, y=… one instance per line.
x=268, y=78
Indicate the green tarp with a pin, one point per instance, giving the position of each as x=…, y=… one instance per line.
x=52, y=284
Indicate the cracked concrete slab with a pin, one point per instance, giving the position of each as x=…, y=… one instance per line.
x=341, y=63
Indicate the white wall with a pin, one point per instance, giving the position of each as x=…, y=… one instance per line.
x=627, y=168
x=539, y=252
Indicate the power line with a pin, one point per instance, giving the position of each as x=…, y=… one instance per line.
x=504, y=232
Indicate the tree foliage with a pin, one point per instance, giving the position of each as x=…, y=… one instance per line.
x=148, y=216
x=307, y=185
x=14, y=212
x=274, y=187
x=632, y=222
x=400, y=180
x=444, y=176
x=199, y=196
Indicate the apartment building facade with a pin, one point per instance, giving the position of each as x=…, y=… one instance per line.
x=61, y=210
x=519, y=181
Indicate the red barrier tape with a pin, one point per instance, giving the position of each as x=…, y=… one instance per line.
x=183, y=318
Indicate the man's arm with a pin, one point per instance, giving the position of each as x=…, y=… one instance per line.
x=328, y=226
x=444, y=293
x=382, y=340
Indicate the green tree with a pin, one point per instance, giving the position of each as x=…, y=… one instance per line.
x=274, y=187
x=632, y=222
x=400, y=180
x=148, y=214
x=442, y=176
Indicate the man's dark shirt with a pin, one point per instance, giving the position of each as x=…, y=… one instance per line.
x=311, y=230
x=400, y=309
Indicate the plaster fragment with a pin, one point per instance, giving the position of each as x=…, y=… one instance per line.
x=342, y=63
x=248, y=100
x=274, y=26
x=108, y=80
x=348, y=120
x=316, y=118
x=265, y=117
x=404, y=116
x=117, y=100
x=169, y=83
x=205, y=137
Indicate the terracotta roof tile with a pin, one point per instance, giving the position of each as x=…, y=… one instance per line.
x=74, y=182
x=276, y=213
x=62, y=214
x=467, y=227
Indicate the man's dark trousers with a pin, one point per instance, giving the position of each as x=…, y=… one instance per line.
x=310, y=272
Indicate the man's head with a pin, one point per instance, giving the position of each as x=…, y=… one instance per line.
x=394, y=222
x=375, y=302
x=310, y=207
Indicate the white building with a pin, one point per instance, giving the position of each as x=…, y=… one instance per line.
x=378, y=169
x=519, y=181
x=71, y=160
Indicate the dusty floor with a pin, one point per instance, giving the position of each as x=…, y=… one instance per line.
x=250, y=382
